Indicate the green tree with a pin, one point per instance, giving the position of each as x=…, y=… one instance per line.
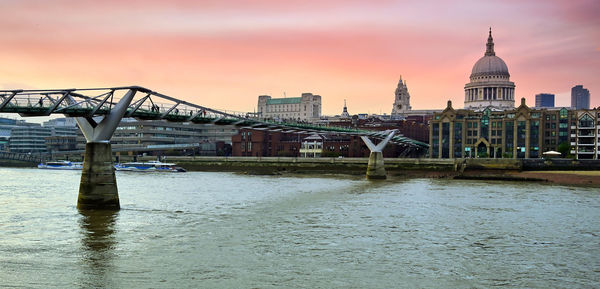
x=563, y=148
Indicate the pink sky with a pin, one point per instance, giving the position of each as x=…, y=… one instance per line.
x=223, y=54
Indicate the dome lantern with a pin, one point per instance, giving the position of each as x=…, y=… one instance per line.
x=489, y=47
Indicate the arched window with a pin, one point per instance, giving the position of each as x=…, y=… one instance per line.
x=564, y=113
x=586, y=121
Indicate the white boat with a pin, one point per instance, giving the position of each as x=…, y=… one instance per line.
x=151, y=166
x=61, y=165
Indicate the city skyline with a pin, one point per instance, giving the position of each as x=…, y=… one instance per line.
x=223, y=54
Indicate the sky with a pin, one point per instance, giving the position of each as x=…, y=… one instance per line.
x=224, y=53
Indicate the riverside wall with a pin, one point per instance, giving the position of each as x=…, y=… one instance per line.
x=357, y=166
x=17, y=163
x=261, y=165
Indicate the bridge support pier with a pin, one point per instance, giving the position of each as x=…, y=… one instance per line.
x=98, y=187
x=376, y=167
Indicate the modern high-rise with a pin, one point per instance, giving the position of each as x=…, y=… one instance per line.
x=580, y=97
x=544, y=100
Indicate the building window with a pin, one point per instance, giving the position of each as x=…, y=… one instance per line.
x=521, y=133
x=534, y=129
x=458, y=135
x=586, y=121
x=564, y=113
x=435, y=131
x=445, y=140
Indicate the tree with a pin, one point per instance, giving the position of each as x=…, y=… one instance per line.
x=563, y=148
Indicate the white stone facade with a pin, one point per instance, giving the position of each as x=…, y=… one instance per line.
x=304, y=108
x=402, y=99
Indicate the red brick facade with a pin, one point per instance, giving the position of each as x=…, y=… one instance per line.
x=416, y=130
x=265, y=144
x=272, y=144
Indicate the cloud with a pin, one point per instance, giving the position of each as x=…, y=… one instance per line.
x=225, y=53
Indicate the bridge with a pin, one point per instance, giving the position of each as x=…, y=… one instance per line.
x=98, y=112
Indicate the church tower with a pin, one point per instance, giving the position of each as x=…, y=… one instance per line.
x=345, y=113
x=402, y=100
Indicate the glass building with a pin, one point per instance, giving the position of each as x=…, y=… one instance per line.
x=580, y=97
x=544, y=100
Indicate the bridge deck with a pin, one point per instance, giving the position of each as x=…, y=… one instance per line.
x=150, y=105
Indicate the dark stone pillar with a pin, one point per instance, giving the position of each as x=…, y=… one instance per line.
x=98, y=187
x=376, y=168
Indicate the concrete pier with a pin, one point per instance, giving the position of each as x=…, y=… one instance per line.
x=98, y=187
x=376, y=168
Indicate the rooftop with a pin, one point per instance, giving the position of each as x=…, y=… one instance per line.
x=288, y=100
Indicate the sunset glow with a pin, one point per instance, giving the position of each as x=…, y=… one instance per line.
x=223, y=54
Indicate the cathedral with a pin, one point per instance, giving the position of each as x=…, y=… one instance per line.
x=490, y=84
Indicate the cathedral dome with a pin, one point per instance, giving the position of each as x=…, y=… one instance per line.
x=490, y=65
x=490, y=84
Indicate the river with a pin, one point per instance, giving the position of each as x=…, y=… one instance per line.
x=228, y=230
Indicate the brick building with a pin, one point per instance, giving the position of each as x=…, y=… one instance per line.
x=273, y=144
x=260, y=143
x=412, y=129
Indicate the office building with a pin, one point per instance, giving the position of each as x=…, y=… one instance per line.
x=544, y=100
x=521, y=132
x=580, y=97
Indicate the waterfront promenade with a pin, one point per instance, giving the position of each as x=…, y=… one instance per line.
x=557, y=171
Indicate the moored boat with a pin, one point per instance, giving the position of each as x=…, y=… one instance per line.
x=151, y=166
x=61, y=165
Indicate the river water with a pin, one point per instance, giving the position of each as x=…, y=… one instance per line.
x=227, y=230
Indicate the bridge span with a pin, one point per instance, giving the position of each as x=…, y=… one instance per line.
x=98, y=111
